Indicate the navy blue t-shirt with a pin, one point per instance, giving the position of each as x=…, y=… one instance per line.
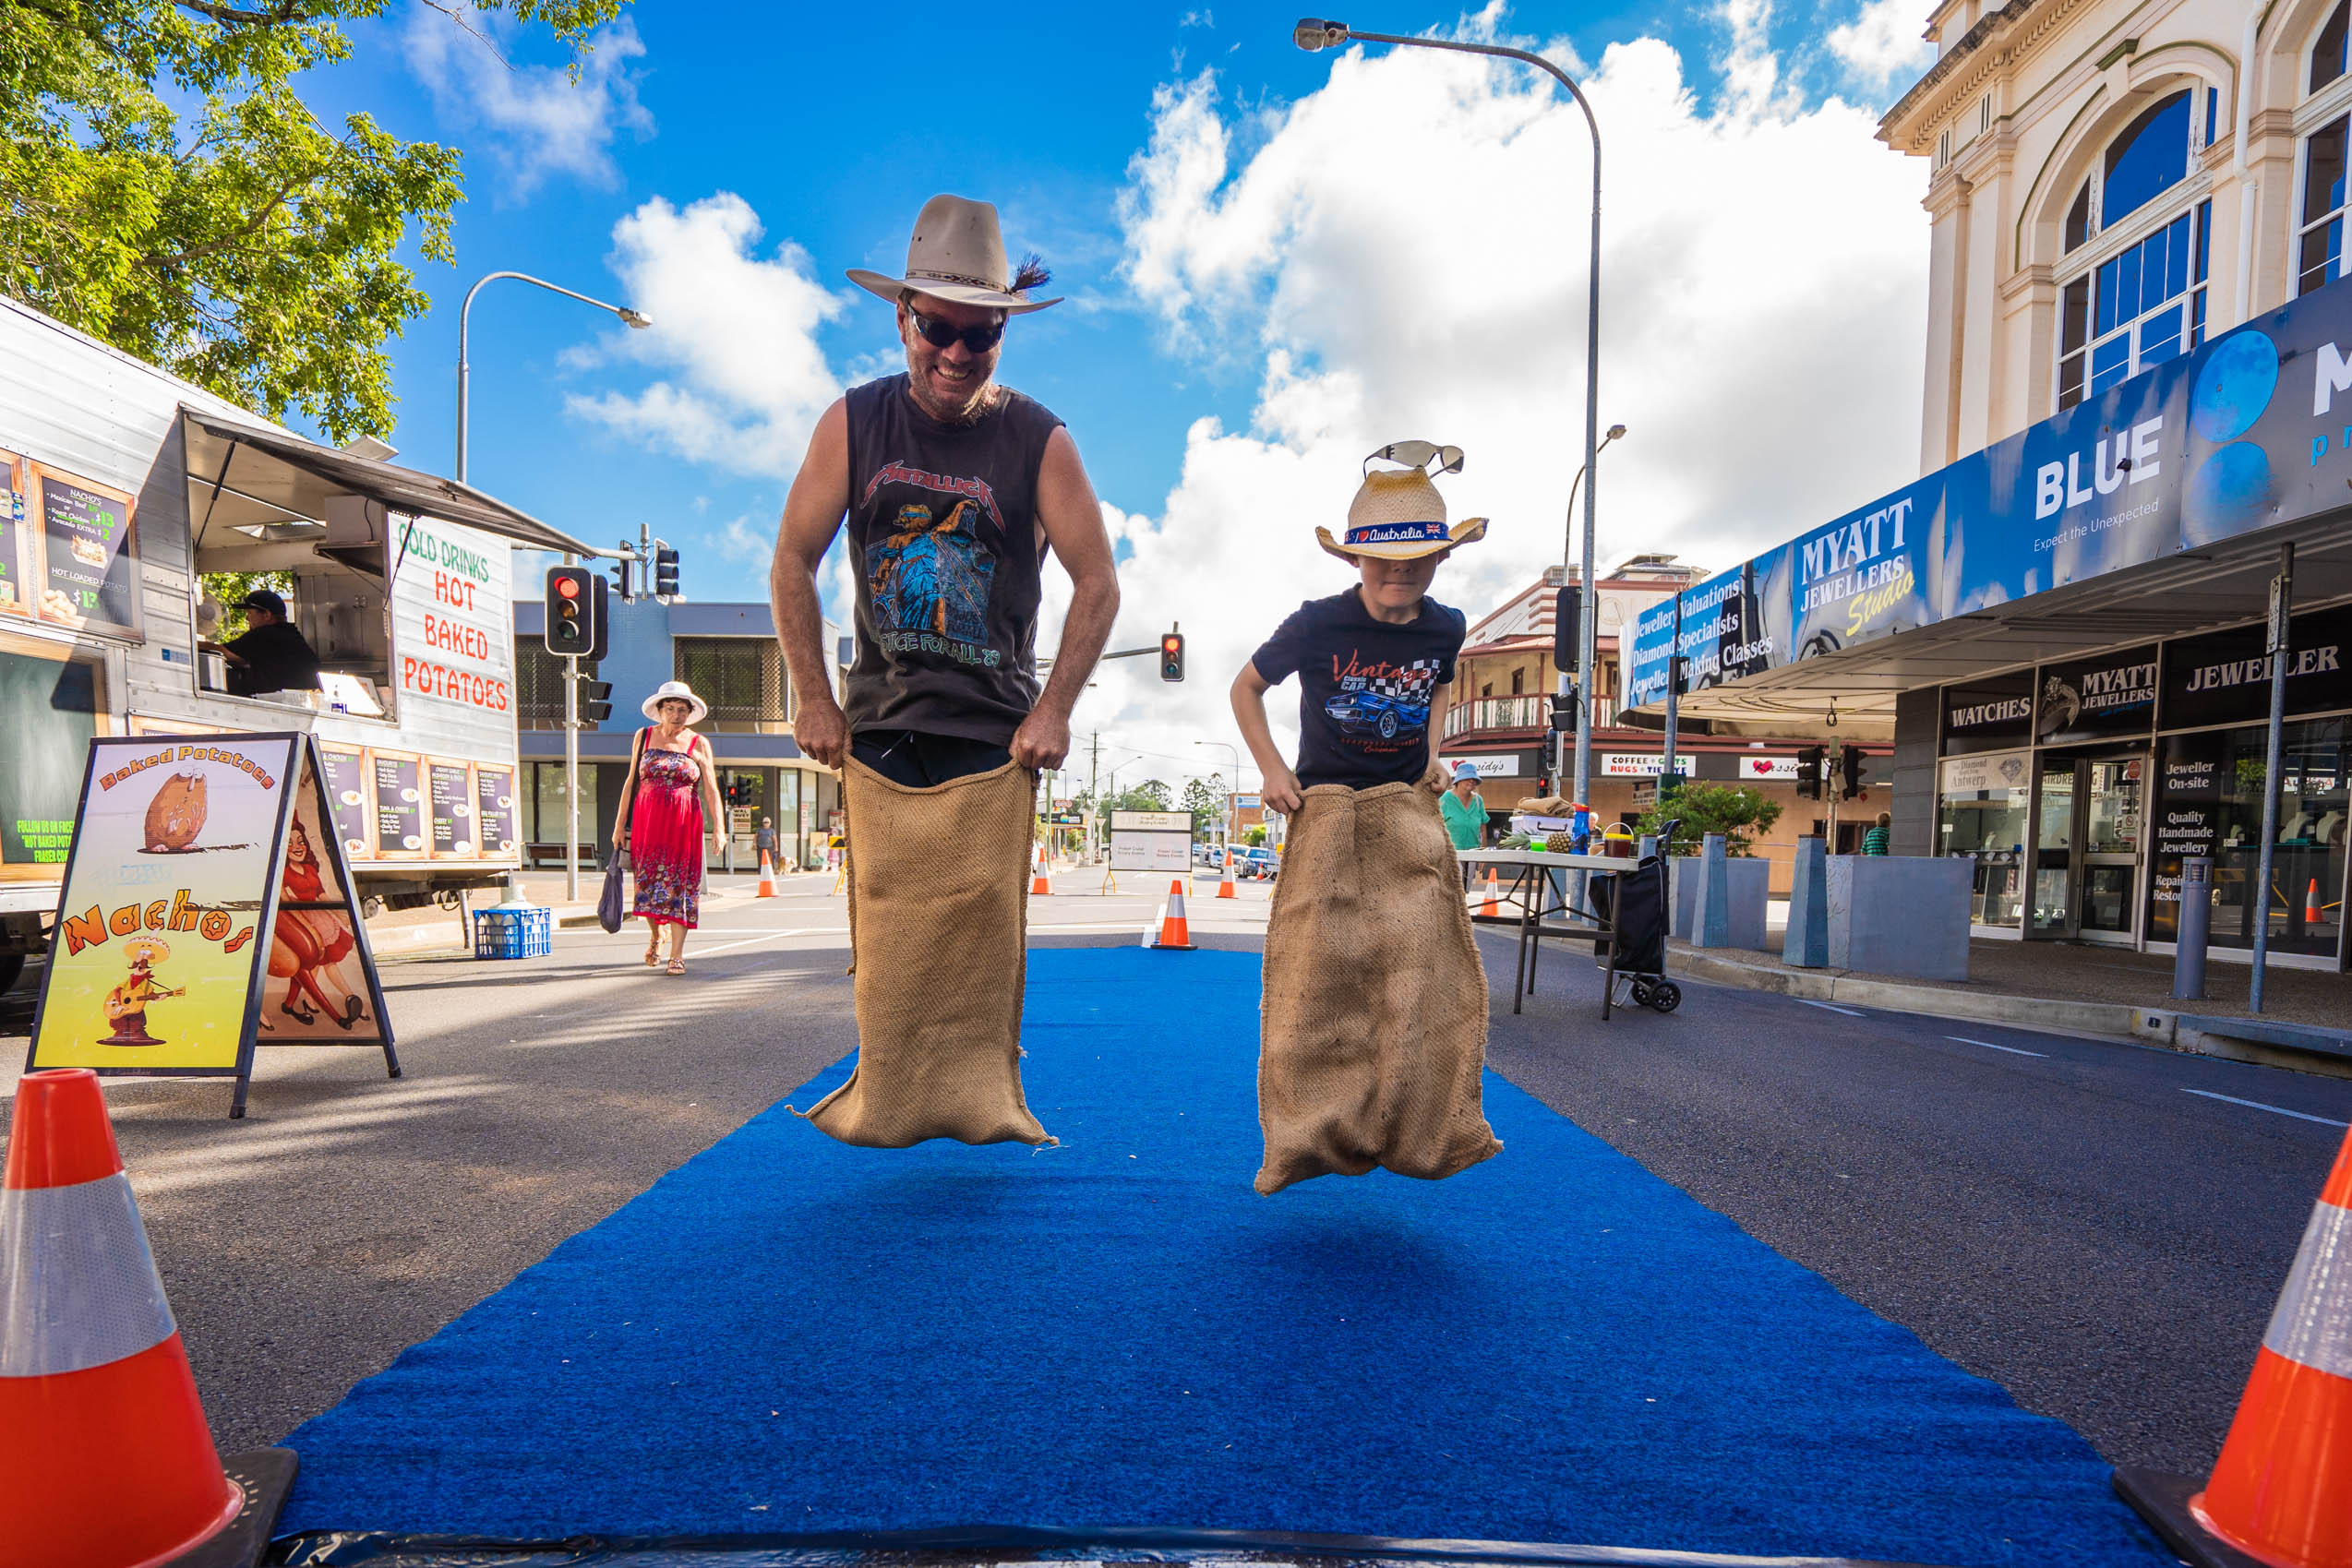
x=1365, y=687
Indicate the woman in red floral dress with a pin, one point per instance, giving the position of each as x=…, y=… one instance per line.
x=670, y=803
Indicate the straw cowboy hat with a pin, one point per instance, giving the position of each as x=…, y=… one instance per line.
x=956, y=254
x=1398, y=513
x=651, y=708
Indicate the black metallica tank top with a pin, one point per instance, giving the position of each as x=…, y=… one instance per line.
x=942, y=533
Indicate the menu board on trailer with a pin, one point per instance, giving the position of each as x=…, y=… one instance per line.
x=345, y=772
x=89, y=564
x=495, y=811
x=399, y=806
x=450, y=787
x=15, y=484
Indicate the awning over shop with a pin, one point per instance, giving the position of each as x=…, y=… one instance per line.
x=244, y=475
x=2155, y=508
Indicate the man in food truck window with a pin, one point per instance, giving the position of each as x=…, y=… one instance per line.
x=272, y=655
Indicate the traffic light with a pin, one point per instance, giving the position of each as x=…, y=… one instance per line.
x=1563, y=711
x=625, y=576
x=1171, y=656
x=595, y=701
x=1809, y=763
x=1567, y=618
x=575, y=625
x=665, y=571
x=1850, y=772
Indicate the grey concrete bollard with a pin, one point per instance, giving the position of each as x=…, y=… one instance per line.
x=1711, y=921
x=2196, y=918
x=1806, y=944
x=1900, y=914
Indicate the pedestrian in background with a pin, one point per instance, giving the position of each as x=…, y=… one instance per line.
x=668, y=806
x=765, y=841
x=1465, y=812
x=1875, y=840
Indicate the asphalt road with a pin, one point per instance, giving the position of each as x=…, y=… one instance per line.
x=2074, y=1224
x=2078, y=1219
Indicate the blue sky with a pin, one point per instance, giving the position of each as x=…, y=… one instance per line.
x=1272, y=299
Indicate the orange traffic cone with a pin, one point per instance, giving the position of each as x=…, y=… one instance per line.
x=1225, y=888
x=1173, y=931
x=1492, y=906
x=767, y=876
x=2277, y=1492
x=2312, y=913
x=1038, y=886
x=105, y=1461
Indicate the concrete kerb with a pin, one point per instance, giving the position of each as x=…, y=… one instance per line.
x=2192, y=1033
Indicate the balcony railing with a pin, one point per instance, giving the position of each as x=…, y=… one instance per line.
x=1523, y=713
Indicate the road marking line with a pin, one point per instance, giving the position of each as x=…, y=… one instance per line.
x=2013, y=1051
x=1828, y=1008
x=2275, y=1110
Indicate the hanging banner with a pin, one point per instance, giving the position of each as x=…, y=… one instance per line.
x=2252, y=430
x=205, y=888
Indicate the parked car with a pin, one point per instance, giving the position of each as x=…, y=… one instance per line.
x=1378, y=712
x=1251, y=861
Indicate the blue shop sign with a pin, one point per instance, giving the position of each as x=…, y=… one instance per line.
x=2252, y=430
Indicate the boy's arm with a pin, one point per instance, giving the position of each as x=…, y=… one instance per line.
x=812, y=514
x=1437, y=777
x=1282, y=791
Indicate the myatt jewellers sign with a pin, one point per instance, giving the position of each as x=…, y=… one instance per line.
x=2252, y=430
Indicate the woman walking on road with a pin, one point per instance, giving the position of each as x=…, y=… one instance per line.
x=670, y=801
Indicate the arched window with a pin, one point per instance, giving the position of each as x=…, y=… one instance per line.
x=2143, y=303
x=2319, y=233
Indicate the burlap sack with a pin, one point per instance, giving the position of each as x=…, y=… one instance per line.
x=938, y=930
x=1374, y=1031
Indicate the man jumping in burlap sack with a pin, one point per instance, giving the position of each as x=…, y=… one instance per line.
x=954, y=490
x=1374, y=1022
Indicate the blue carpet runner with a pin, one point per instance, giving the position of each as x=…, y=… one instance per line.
x=786, y=1334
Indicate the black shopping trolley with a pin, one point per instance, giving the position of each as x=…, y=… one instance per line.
x=1636, y=904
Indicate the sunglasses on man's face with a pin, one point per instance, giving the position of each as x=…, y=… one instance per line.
x=939, y=334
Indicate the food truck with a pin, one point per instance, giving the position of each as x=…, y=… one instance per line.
x=121, y=489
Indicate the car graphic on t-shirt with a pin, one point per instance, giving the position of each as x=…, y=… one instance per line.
x=1374, y=713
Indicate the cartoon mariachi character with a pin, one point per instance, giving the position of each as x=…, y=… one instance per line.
x=307, y=943
x=126, y=1003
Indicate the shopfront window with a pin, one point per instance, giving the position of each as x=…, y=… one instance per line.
x=1982, y=815
x=548, y=814
x=2213, y=796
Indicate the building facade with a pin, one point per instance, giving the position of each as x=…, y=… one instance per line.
x=1498, y=716
x=728, y=654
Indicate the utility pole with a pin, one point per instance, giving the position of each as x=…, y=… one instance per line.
x=1093, y=785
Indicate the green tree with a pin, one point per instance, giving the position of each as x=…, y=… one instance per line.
x=1740, y=814
x=228, y=587
x=1205, y=798
x=1255, y=834
x=164, y=188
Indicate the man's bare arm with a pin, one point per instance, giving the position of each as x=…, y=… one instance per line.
x=812, y=513
x=1071, y=519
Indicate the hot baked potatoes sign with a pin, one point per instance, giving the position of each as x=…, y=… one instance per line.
x=207, y=909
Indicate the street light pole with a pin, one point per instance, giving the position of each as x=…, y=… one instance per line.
x=1313, y=33
x=1226, y=826
x=636, y=319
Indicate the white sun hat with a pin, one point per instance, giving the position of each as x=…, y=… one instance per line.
x=1398, y=513
x=678, y=689
x=957, y=253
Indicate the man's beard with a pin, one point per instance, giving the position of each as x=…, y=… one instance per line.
x=919, y=387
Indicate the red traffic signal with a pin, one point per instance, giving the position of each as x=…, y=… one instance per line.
x=566, y=586
x=574, y=607
x=1171, y=656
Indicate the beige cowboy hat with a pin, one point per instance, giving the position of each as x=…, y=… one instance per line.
x=957, y=255
x=651, y=707
x=1398, y=513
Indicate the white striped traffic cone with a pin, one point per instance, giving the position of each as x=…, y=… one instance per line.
x=1173, y=931
x=767, y=876
x=105, y=1461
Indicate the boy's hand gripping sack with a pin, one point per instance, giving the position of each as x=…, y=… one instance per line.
x=937, y=931
x=1374, y=1033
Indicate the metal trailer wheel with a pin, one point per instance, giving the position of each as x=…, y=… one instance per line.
x=1666, y=997
x=1642, y=995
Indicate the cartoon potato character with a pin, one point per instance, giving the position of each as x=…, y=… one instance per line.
x=176, y=814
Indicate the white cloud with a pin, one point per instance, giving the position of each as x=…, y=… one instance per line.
x=548, y=124
x=741, y=540
x=1882, y=42
x=1404, y=253
x=739, y=377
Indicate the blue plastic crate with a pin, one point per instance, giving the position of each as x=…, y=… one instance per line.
x=514, y=930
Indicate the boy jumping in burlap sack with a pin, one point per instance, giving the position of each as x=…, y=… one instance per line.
x=1374, y=1024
